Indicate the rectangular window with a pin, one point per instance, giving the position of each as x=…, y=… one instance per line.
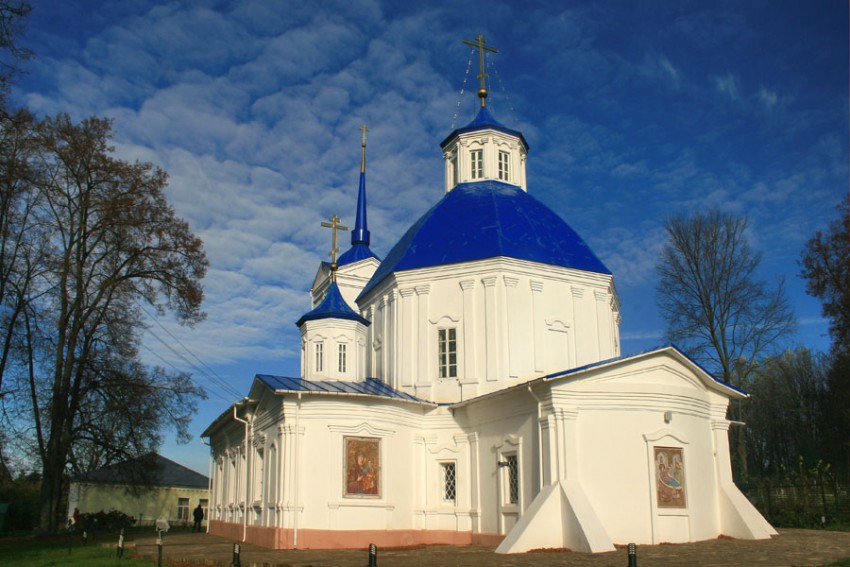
x=447, y=349
x=342, y=358
x=183, y=509
x=205, y=504
x=320, y=356
x=512, y=470
x=477, y=164
x=449, y=481
x=454, y=169
x=504, y=170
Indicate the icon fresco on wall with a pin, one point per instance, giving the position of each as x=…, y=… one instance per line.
x=670, y=477
x=362, y=466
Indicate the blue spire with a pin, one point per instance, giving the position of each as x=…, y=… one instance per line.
x=360, y=237
x=360, y=234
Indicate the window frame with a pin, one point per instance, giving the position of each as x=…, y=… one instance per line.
x=504, y=165
x=448, y=481
x=342, y=357
x=476, y=160
x=510, y=479
x=320, y=356
x=446, y=349
x=183, y=509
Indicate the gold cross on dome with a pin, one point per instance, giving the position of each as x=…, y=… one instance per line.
x=334, y=226
x=480, y=43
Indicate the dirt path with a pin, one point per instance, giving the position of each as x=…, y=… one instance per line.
x=790, y=548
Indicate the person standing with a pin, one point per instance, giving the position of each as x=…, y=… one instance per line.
x=198, y=515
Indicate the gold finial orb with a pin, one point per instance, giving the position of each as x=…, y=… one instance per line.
x=482, y=93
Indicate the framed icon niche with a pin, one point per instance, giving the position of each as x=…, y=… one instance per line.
x=362, y=463
x=670, y=477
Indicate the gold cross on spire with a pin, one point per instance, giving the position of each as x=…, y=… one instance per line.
x=334, y=226
x=363, y=129
x=480, y=43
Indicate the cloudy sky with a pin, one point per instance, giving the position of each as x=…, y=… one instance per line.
x=634, y=111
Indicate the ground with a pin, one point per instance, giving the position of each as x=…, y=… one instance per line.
x=790, y=548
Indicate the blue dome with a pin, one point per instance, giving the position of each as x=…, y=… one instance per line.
x=333, y=306
x=487, y=219
x=356, y=253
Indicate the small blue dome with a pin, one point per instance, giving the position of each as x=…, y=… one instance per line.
x=333, y=306
x=487, y=219
x=484, y=121
x=356, y=253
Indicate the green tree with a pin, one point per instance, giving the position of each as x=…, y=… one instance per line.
x=786, y=414
x=825, y=266
x=107, y=242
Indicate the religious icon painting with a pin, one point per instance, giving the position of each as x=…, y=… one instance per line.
x=670, y=477
x=362, y=467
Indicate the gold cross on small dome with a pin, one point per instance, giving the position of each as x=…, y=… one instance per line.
x=334, y=226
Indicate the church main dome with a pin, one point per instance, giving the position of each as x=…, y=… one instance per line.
x=487, y=219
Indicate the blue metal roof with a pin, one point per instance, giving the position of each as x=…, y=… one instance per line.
x=487, y=219
x=484, y=121
x=333, y=306
x=369, y=387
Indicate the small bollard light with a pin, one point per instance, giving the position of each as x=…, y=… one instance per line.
x=120, y=549
x=237, y=562
x=85, y=537
x=632, y=555
x=373, y=555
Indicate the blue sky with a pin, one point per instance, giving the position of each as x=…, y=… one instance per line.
x=634, y=111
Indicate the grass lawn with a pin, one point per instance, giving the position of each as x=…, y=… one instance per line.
x=49, y=552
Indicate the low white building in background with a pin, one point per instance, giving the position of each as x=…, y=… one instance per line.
x=469, y=389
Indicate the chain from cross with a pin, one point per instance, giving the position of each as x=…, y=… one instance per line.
x=334, y=226
x=480, y=43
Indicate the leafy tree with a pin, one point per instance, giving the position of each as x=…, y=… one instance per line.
x=826, y=267
x=825, y=264
x=716, y=309
x=786, y=413
x=101, y=241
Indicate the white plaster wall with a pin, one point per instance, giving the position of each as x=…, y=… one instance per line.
x=515, y=320
x=621, y=417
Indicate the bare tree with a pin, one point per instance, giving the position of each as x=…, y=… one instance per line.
x=716, y=309
x=108, y=242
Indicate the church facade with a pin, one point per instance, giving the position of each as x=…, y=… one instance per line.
x=469, y=389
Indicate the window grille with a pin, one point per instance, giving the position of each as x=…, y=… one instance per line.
x=513, y=479
x=449, y=481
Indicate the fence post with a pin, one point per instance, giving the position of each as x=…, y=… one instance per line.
x=159, y=548
x=237, y=562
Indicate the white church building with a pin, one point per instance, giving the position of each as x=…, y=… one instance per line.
x=469, y=389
